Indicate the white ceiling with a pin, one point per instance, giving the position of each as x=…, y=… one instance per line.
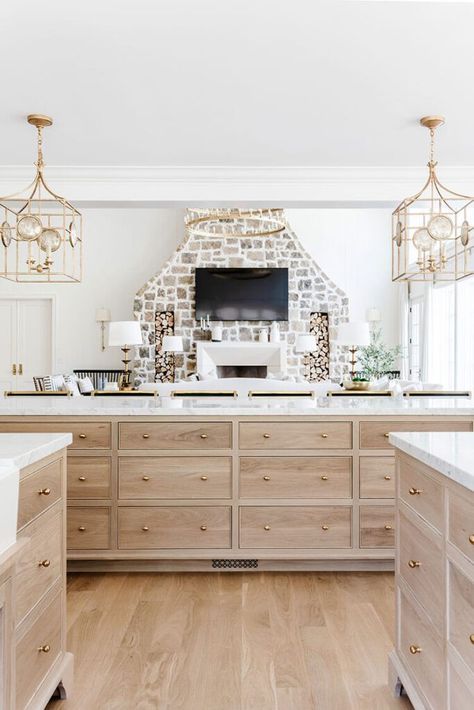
x=236, y=82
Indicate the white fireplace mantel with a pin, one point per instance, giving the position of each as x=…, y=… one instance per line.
x=210, y=355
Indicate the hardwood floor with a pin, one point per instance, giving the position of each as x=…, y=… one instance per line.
x=231, y=641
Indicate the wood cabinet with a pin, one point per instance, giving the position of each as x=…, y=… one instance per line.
x=175, y=435
x=375, y=435
x=295, y=435
x=434, y=654
x=377, y=526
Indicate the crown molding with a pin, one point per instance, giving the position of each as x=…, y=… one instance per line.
x=233, y=185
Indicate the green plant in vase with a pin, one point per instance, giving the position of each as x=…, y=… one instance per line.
x=377, y=358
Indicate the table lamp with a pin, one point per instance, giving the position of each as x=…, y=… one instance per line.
x=354, y=334
x=125, y=333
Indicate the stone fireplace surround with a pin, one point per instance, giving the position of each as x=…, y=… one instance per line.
x=171, y=291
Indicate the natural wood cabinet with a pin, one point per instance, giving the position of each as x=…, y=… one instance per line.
x=377, y=477
x=85, y=435
x=175, y=435
x=89, y=477
x=375, y=434
x=295, y=435
x=377, y=526
x=88, y=528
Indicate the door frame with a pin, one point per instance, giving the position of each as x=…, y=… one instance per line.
x=42, y=297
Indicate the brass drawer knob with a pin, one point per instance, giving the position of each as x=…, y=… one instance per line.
x=471, y=638
x=324, y=436
x=81, y=528
x=145, y=478
x=325, y=527
x=145, y=528
x=471, y=539
x=44, y=649
x=44, y=563
x=414, y=563
x=266, y=478
x=386, y=435
x=82, y=478
x=266, y=436
x=415, y=649
x=388, y=478
x=203, y=478
x=203, y=528
x=203, y=436
x=266, y=527
x=82, y=436
x=388, y=527
x=44, y=491
x=324, y=478
x=145, y=436
x=415, y=491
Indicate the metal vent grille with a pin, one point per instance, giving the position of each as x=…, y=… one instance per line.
x=234, y=564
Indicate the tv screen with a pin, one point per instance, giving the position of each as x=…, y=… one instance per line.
x=242, y=294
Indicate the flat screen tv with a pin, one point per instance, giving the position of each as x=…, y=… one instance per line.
x=242, y=294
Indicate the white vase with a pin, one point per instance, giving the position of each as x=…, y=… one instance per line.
x=216, y=334
x=263, y=336
x=275, y=332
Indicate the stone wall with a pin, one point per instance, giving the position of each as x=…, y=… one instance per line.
x=172, y=289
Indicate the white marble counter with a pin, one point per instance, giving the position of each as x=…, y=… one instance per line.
x=284, y=406
x=452, y=454
x=20, y=450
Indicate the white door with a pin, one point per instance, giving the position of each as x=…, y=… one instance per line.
x=27, y=351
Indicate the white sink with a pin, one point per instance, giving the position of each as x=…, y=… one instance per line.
x=9, y=485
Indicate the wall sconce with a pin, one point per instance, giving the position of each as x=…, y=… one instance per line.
x=102, y=316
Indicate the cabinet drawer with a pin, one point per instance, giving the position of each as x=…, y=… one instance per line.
x=461, y=523
x=377, y=526
x=421, y=566
x=295, y=435
x=184, y=527
x=374, y=435
x=292, y=527
x=88, y=477
x=175, y=435
x=87, y=435
x=39, y=491
x=425, y=660
x=421, y=492
x=377, y=476
x=32, y=665
x=461, y=614
x=39, y=567
x=461, y=690
x=295, y=477
x=145, y=477
x=88, y=528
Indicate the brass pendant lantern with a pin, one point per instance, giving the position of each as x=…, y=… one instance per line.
x=40, y=232
x=432, y=231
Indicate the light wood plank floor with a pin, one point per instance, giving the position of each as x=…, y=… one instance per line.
x=231, y=641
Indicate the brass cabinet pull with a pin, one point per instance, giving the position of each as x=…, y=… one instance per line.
x=82, y=478
x=325, y=527
x=81, y=528
x=324, y=478
x=145, y=478
x=20, y=368
x=82, y=436
x=388, y=478
x=471, y=539
x=145, y=528
x=415, y=491
x=145, y=436
x=324, y=436
x=471, y=638
x=44, y=491
x=414, y=563
x=44, y=649
x=388, y=527
x=415, y=649
x=386, y=435
x=203, y=436
x=266, y=527
x=266, y=436
x=203, y=478
x=203, y=527
x=266, y=478
x=44, y=563
x=13, y=369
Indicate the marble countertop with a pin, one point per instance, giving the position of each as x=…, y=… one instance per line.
x=284, y=406
x=450, y=453
x=20, y=450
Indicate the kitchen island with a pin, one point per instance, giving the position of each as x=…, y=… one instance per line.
x=214, y=483
x=434, y=654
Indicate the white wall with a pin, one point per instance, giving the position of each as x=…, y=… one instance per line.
x=122, y=248
x=353, y=247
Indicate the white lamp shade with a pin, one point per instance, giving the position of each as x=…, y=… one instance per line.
x=172, y=344
x=305, y=343
x=102, y=315
x=373, y=315
x=353, y=333
x=125, y=332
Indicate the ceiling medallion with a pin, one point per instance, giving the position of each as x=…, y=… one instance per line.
x=235, y=223
x=432, y=235
x=40, y=232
